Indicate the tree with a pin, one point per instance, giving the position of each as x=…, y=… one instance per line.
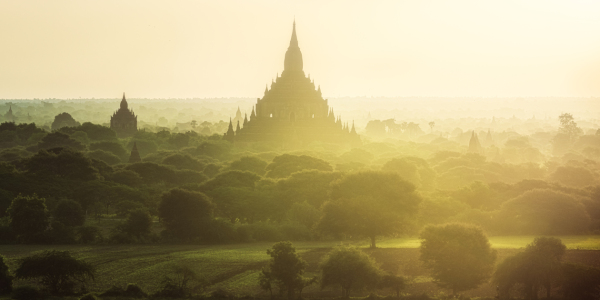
x=286, y=164
x=573, y=176
x=369, y=204
x=182, y=161
x=250, y=164
x=580, y=282
x=138, y=223
x=349, y=268
x=538, y=266
x=543, y=211
x=265, y=280
x=568, y=132
x=6, y=280
x=431, y=125
x=111, y=147
x=57, y=139
x=459, y=256
x=64, y=163
x=395, y=282
x=69, y=213
x=64, y=120
x=28, y=217
x=57, y=270
x=185, y=214
x=285, y=268
x=568, y=126
x=413, y=169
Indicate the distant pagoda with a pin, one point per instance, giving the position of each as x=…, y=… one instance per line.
x=9, y=116
x=135, y=155
x=474, y=145
x=124, y=121
x=292, y=110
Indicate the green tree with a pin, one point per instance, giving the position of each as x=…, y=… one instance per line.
x=543, y=211
x=56, y=270
x=111, y=147
x=459, y=256
x=536, y=267
x=286, y=164
x=57, y=139
x=394, y=282
x=28, y=217
x=6, y=280
x=286, y=268
x=64, y=163
x=349, y=268
x=138, y=223
x=64, y=120
x=370, y=204
x=580, y=282
x=185, y=214
x=250, y=164
x=69, y=213
x=181, y=161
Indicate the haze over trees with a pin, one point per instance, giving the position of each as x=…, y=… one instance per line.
x=534, y=175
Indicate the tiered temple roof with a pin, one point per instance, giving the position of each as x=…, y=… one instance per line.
x=292, y=109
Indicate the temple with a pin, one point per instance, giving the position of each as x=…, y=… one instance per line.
x=9, y=116
x=124, y=121
x=291, y=110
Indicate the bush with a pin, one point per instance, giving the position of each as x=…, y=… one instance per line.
x=26, y=293
x=89, y=234
x=69, y=213
x=60, y=234
x=6, y=280
x=222, y=231
x=89, y=297
x=134, y=291
x=113, y=291
x=57, y=270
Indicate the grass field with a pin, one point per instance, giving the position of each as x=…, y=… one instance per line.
x=235, y=267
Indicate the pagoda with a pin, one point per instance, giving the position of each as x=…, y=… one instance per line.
x=293, y=109
x=124, y=121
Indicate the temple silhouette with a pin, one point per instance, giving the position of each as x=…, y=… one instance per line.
x=124, y=121
x=292, y=110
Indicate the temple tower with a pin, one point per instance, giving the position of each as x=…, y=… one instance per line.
x=124, y=121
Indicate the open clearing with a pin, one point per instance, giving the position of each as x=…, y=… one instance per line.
x=235, y=267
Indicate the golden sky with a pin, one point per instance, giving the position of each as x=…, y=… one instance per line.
x=173, y=49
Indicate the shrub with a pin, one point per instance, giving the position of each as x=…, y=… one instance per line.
x=350, y=269
x=89, y=234
x=113, y=291
x=26, y=292
x=89, y=297
x=69, y=213
x=6, y=280
x=57, y=270
x=134, y=291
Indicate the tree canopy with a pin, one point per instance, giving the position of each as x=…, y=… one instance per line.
x=349, y=268
x=370, y=204
x=459, y=256
x=57, y=270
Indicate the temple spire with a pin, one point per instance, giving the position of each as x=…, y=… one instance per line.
x=123, y=102
x=294, y=39
x=293, y=56
x=135, y=155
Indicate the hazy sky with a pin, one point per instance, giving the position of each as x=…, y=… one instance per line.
x=164, y=49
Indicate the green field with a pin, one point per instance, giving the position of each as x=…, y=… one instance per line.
x=235, y=267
